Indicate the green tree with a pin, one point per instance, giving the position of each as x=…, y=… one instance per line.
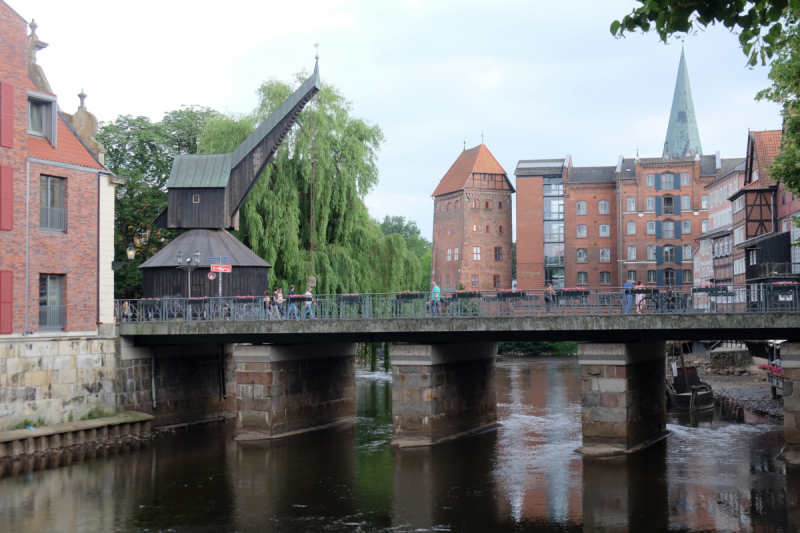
x=142, y=152
x=513, y=260
x=338, y=154
x=416, y=243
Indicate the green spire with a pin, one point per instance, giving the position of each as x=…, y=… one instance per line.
x=683, y=138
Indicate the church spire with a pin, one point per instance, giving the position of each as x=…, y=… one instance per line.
x=683, y=137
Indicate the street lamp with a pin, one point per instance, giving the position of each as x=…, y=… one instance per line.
x=186, y=264
x=131, y=252
x=197, y=257
x=144, y=236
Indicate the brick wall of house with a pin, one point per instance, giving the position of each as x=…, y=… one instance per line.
x=530, y=233
x=592, y=194
x=476, y=222
x=448, y=233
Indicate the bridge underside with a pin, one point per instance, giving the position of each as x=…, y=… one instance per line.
x=612, y=328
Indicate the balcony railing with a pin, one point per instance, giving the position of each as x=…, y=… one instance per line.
x=552, y=215
x=778, y=270
x=52, y=219
x=52, y=316
x=554, y=237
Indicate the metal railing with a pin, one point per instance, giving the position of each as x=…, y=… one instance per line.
x=778, y=270
x=52, y=316
x=52, y=219
x=526, y=303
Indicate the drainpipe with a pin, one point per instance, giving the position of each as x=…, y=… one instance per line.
x=153, y=375
x=222, y=372
x=27, y=237
x=97, y=296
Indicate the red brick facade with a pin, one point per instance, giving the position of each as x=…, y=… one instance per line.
x=472, y=224
x=71, y=253
x=593, y=242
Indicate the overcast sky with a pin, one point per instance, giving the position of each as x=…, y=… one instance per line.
x=540, y=79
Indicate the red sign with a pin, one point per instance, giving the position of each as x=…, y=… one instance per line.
x=221, y=268
x=211, y=275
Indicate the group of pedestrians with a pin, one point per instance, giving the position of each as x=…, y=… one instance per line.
x=274, y=304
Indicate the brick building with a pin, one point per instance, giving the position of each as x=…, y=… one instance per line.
x=472, y=224
x=636, y=220
x=56, y=200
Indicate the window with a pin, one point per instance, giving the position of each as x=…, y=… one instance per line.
x=474, y=204
x=631, y=275
x=605, y=278
x=784, y=225
x=474, y=281
x=669, y=277
x=581, y=231
x=738, y=235
x=501, y=230
x=498, y=254
x=650, y=203
x=487, y=229
x=449, y=206
x=668, y=230
x=667, y=182
x=500, y=205
x=669, y=254
x=687, y=252
x=583, y=278
x=650, y=180
x=603, y=207
x=686, y=203
x=687, y=276
x=631, y=203
x=476, y=253
x=447, y=282
x=583, y=256
x=704, y=226
x=704, y=202
x=455, y=258
x=35, y=122
x=755, y=175
x=651, y=253
x=651, y=228
x=669, y=205
x=685, y=180
x=605, y=255
x=651, y=276
x=474, y=227
x=753, y=257
x=605, y=230
x=488, y=204
x=51, y=306
x=631, y=253
x=42, y=116
x=631, y=228
x=739, y=266
x=738, y=204
x=580, y=208
x=52, y=215
x=448, y=253
x=458, y=204
x=686, y=229
x=496, y=281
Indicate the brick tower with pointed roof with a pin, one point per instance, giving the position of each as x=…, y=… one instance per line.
x=472, y=224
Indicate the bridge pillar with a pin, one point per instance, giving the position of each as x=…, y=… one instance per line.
x=442, y=391
x=623, y=395
x=790, y=362
x=283, y=390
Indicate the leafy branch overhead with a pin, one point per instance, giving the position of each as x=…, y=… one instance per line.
x=760, y=25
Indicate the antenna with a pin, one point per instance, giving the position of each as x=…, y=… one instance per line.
x=481, y=136
x=465, y=144
x=316, y=50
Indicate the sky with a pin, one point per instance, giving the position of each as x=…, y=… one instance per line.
x=535, y=78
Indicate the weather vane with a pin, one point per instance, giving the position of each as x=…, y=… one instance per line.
x=316, y=47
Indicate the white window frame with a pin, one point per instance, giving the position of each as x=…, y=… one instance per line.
x=49, y=116
x=704, y=226
x=604, y=207
x=651, y=276
x=449, y=250
x=631, y=228
x=631, y=253
x=651, y=224
x=580, y=207
x=581, y=231
x=582, y=255
x=585, y=276
x=686, y=203
x=650, y=203
x=650, y=180
x=686, y=179
x=455, y=256
x=605, y=255
x=686, y=227
x=606, y=228
x=651, y=253
x=476, y=253
x=630, y=203
x=687, y=252
x=605, y=278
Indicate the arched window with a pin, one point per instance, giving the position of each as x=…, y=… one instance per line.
x=488, y=204
x=604, y=207
x=458, y=204
x=500, y=205
x=501, y=230
x=487, y=229
x=669, y=254
x=449, y=206
x=474, y=204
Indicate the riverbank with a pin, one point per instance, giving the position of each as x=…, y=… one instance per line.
x=744, y=387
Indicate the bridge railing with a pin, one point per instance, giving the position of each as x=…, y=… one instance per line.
x=578, y=301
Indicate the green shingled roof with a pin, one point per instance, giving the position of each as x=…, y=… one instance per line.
x=683, y=137
x=194, y=171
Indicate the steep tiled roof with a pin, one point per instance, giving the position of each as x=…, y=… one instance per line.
x=591, y=175
x=478, y=159
x=768, y=146
x=69, y=148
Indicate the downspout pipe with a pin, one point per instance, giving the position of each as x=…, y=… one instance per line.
x=27, y=240
x=153, y=375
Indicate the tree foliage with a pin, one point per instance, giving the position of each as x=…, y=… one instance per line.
x=142, y=152
x=758, y=23
x=339, y=153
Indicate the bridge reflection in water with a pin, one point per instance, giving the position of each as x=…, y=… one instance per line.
x=718, y=476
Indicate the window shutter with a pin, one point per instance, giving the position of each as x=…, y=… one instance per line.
x=658, y=229
x=678, y=255
x=6, y=302
x=659, y=255
x=676, y=201
x=660, y=277
x=658, y=182
x=676, y=179
x=679, y=276
x=6, y=198
x=6, y=115
x=658, y=206
x=678, y=229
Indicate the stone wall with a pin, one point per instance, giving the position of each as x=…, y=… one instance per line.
x=790, y=360
x=57, y=379
x=442, y=391
x=730, y=358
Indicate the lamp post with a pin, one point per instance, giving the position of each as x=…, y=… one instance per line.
x=130, y=251
x=188, y=266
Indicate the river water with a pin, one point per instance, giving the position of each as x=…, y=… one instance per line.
x=708, y=475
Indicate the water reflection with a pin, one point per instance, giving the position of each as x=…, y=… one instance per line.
x=709, y=475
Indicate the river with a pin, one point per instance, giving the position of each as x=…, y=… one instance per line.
x=710, y=474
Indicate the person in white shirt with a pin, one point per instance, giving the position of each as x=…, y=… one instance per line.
x=309, y=303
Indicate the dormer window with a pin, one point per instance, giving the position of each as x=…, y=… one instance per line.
x=35, y=117
x=42, y=116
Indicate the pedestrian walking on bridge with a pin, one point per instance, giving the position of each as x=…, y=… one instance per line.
x=435, y=292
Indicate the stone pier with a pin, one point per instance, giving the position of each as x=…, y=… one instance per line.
x=283, y=390
x=790, y=362
x=623, y=395
x=442, y=391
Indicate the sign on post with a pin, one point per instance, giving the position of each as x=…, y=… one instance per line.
x=224, y=258
x=221, y=268
x=213, y=259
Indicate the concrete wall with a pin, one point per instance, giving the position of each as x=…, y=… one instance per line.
x=54, y=378
x=790, y=361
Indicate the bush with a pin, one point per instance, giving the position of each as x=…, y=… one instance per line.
x=539, y=348
x=94, y=413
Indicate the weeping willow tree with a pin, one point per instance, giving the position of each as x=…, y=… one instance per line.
x=338, y=154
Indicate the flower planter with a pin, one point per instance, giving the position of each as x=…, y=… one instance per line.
x=571, y=294
x=510, y=294
x=709, y=290
x=641, y=291
x=780, y=287
x=350, y=299
x=411, y=296
x=299, y=298
x=466, y=295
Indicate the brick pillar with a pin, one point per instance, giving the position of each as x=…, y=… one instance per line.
x=623, y=395
x=288, y=389
x=790, y=362
x=442, y=391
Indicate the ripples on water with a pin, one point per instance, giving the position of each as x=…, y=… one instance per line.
x=709, y=475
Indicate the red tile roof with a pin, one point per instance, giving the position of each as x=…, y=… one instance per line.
x=69, y=150
x=478, y=159
x=768, y=146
